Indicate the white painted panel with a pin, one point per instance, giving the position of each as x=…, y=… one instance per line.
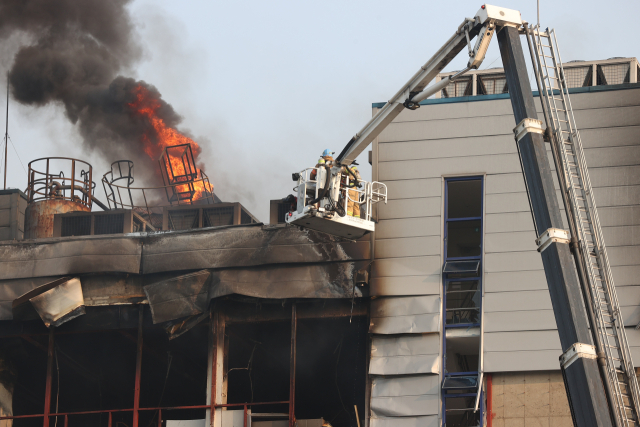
x=410, y=188
x=517, y=301
x=504, y=321
x=413, y=385
x=508, y=222
x=408, y=266
x=540, y=360
x=518, y=241
x=394, y=306
x=408, y=246
x=410, y=208
x=512, y=261
x=442, y=148
x=406, y=285
x=410, y=324
x=410, y=227
x=402, y=406
x=522, y=341
x=426, y=421
x=510, y=281
x=431, y=168
x=508, y=202
x=402, y=365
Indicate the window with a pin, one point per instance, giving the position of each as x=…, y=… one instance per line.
x=462, y=300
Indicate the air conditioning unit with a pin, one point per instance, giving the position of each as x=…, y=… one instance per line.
x=116, y=221
x=187, y=217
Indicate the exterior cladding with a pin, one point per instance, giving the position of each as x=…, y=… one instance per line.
x=448, y=138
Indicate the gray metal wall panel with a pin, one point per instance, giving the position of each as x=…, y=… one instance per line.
x=431, y=168
x=510, y=242
x=512, y=261
x=457, y=147
x=402, y=406
x=413, y=385
x=509, y=202
x=619, y=216
x=522, y=340
x=609, y=117
x=626, y=275
x=510, y=281
x=508, y=222
x=406, y=285
x=461, y=109
x=410, y=208
x=390, y=307
x=427, y=421
x=514, y=361
x=409, y=324
x=408, y=266
x=620, y=175
x=408, y=189
x=616, y=196
x=610, y=137
x=408, y=227
x=405, y=355
x=621, y=236
x=612, y=156
x=517, y=301
x=614, y=98
x=504, y=183
x=445, y=129
x=408, y=246
x=504, y=321
x=623, y=255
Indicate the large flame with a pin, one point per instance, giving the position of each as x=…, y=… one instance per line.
x=164, y=136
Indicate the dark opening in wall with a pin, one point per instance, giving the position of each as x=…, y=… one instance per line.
x=330, y=368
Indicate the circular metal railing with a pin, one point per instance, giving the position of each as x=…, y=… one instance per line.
x=47, y=180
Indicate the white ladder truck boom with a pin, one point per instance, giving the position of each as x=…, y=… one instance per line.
x=596, y=362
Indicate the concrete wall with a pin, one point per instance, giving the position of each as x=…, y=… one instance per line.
x=521, y=399
x=12, y=206
x=448, y=138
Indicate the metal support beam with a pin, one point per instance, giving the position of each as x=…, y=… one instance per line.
x=47, y=387
x=584, y=385
x=292, y=367
x=136, y=395
x=213, y=348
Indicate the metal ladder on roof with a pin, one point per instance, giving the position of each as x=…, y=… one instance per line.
x=606, y=318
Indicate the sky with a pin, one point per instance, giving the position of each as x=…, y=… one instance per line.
x=265, y=87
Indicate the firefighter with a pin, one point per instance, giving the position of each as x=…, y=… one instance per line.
x=353, y=207
x=325, y=160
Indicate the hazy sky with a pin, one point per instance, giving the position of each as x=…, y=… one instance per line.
x=265, y=86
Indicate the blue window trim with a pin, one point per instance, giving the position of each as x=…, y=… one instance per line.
x=446, y=280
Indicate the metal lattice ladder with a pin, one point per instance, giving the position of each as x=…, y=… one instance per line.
x=611, y=342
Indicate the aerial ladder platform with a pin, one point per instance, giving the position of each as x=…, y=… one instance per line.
x=596, y=361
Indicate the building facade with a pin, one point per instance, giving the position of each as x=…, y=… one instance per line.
x=463, y=331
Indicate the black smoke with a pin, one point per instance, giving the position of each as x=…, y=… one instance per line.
x=77, y=52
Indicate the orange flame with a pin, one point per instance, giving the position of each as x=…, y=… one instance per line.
x=164, y=136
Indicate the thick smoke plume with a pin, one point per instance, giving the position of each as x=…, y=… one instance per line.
x=77, y=52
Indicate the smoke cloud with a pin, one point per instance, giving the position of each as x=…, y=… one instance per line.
x=78, y=51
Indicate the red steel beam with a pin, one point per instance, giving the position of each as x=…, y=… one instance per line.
x=136, y=395
x=47, y=389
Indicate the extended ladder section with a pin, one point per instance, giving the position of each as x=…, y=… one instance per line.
x=592, y=264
